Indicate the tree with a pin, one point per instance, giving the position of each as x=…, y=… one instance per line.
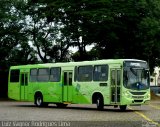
x=128, y=29
x=44, y=34
x=12, y=34
x=75, y=18
x=12, y=37
x=22, y=54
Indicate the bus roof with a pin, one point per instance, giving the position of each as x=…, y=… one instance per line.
x=60, y=64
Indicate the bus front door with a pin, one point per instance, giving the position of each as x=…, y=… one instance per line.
x=115, y=85
x=23, y=86
x=67, y=86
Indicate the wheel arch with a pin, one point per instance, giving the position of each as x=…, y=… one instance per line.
x=95, y=95
x=38, y=93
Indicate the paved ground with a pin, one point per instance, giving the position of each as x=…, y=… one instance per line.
x=78, y=115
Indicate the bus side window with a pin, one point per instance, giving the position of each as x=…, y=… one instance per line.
x=22, y=80
x=26, y=79
x=55, y=75
x=100, y=73
x=33, y=75
x=43, y=74
x=113, y=78
x=14, y=75
x=70, y=78
x=118, y=77
x=75, y=73
x=65, y=78
x=85, y=73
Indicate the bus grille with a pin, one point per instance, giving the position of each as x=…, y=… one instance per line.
x=138, y=97
x=138, y=100
x=138, y=93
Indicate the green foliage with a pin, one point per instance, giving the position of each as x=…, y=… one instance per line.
x=117, y=28
x=14, y=47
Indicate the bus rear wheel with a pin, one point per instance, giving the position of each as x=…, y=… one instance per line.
x=123, y=107
x=39, y=101
x=100, y=103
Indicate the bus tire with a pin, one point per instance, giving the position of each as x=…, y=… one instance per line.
x=123, y=107
x=100, y=103
x=39, y=100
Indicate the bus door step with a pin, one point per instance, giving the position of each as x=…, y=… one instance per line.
x=66, y=102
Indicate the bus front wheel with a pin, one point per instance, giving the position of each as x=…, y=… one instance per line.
x=100, y=103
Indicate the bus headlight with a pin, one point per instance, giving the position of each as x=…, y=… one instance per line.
x=147, y=96
x=127, y=94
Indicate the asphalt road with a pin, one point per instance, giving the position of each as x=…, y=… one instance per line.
x=14, y=113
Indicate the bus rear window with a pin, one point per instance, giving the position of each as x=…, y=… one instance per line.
x=14, y=75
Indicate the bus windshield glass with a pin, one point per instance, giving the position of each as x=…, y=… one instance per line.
x=136, y=77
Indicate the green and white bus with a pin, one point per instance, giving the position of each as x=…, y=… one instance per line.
x=113, y=82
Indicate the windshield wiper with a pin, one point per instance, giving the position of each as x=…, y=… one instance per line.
x=133, y=71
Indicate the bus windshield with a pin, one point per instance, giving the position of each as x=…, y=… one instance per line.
x=136, y=78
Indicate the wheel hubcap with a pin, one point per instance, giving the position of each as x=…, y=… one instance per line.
x=39, y=101
x=97, y=102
